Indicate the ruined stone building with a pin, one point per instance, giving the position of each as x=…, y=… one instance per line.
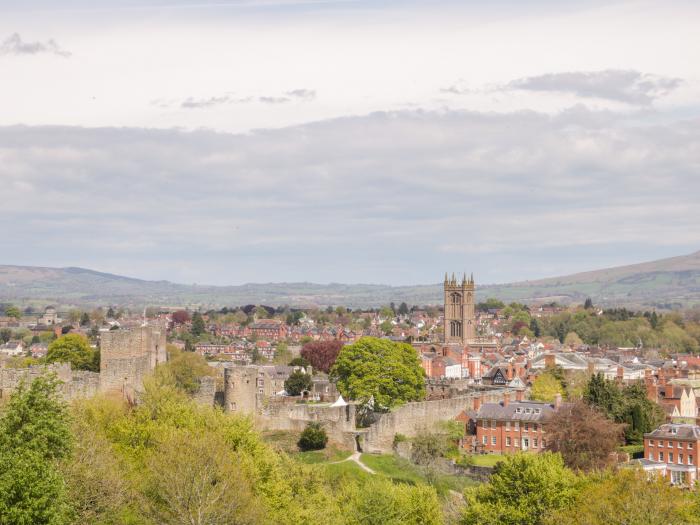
x=128, y=356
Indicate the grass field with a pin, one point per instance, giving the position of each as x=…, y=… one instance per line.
x=486, y=460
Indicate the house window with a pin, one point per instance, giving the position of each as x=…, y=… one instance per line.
x=517, y=425
x=526, y=443
x=670, y=444
x=516, y=442
x=690, y=446
x=507, y=425
x=484, y=423
x=493, y=440
x=526, y=426
x=507, y=441
x=670, y=457
x=651, y=456
x=493, y=423
x=527, y=410
x=534, y=443
x=483, y=440
x=677, y=477
x=537, y=411
x=517, y=410
x=651, y=442
x=690, y=460
x=661, y=456
x=679, y=444
x=680, y=459
x=534, y=427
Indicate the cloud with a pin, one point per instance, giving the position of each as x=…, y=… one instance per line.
x=395, y=197
x=14, y=45
x=303, y=95
x=628, y=86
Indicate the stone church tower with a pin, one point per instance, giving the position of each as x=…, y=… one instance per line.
x=460, y=324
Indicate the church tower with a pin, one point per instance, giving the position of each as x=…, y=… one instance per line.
x=459, y=325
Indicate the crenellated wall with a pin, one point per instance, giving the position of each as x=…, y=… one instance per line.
x=74, y=383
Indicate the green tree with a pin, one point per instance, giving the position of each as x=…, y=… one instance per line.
x=186, y=369
x=389, y=373
x=5, y=335
x=386, y=327
x=198, y=327
x=522, y=490
x=298, y=382
x=34, y=434
x=545, y=387
x=403, y=309
x=313, y=437
x=628, y=497
x=73, y=349
x=85, y=319
x=13, y=311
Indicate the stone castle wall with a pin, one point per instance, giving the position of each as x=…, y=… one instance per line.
x=74, y=383
x=127, y=357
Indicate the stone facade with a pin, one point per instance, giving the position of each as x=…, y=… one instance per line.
x=128, y=356
x=75, y=383
x=459, y=320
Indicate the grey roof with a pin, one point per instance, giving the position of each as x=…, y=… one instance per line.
x=516, y=411
x=675, y=431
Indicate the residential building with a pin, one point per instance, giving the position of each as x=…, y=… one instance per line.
x=672, y=451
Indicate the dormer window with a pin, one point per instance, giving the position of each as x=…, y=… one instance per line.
x=537, y=411
x=674, y=431
x=518, y=410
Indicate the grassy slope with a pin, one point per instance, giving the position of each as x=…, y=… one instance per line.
x=673, y=280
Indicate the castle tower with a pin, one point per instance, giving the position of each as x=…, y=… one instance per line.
x=459, y=322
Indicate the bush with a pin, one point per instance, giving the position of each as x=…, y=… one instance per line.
x=297, y=383
x=313, y=438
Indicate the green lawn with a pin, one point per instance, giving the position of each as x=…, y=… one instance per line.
x=486, y=460
x=327, y=455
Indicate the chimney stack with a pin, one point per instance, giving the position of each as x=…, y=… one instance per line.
x=557, y=402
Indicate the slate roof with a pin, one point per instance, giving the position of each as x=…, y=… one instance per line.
x=682, y=431
x=529, y=411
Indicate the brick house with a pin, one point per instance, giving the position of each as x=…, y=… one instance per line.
x=509, y=427
x=269, y=329
x=671, y=451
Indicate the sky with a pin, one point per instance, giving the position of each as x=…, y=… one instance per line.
x=225, y=142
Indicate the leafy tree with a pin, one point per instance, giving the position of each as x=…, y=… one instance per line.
x=198, y=327
x=181, y=317
x=386, y=312
x=628, y=497
x=85, y=319
x=584, y=438
x=293, y=318
x=300, y=361
x=111, y=314
x=403, y=309
x=321, y=354
x=535, y=327
x=490, y=304
x=379, y=369
x=378, y=501
x=73, y=349
x=193, y=479
x=5, y=335
x=186, y=369
x=386, y=327
x=572, y=340
x=298, y=382
x=588, y=304
x=34, y=434
x=545, y=387
x=313, y=437
x=13, y=311
x=522, y=490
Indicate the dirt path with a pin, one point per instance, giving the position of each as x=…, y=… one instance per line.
x=355, y=457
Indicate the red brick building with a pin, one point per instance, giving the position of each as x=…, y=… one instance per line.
x=516, y=426
x=671, y=451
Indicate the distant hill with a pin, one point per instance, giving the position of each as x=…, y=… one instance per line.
x=666, y=283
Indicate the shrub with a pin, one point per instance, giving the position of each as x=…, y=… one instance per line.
x=313, y=438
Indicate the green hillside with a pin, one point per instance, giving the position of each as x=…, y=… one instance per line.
x=666, y=283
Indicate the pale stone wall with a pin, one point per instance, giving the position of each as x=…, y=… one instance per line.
x=75, y=383
x=207, y=391
x=128, y=356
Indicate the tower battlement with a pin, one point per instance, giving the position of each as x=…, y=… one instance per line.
x=459, y=321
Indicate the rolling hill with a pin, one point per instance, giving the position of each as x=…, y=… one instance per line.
x=666, y=283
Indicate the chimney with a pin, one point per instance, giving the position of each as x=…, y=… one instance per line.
x=557, y=402
x=506, y=399
x=509, y=372
x=476, y=403
x=519, y=393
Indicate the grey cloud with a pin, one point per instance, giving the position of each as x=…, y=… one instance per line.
x=393, y=197
x=274, y=100
x=14, y=45
x=303, y=94
x=195, y=103
x=628, y=86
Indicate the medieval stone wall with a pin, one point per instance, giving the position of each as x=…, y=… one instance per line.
x=128, y=356
x=74, y=383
